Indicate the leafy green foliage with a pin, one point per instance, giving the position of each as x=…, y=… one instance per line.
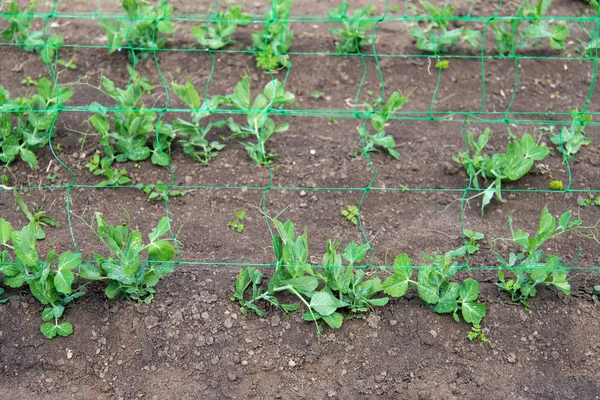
x=124, y=269
x=471, y=239
x=39, y=218
x=590, y=200
x=437, y=37
x=380, y=139
x=353, y=34
x=529, y=266
x=476, y=333
x=259, y=125
x=275, y=39
x=238, y=224
x=27, y=123
x=324, y=294
x=530, y=31
x=350, y=213
x=160, y=191
x=570, y=139
x=518, y=160
x=51, y=281
x=217, y=34
x=124, y=133
x=442, y=65
x=20, y=33
x=194, y=140
x=142, y=29
x=3, y=299
x=435, y=285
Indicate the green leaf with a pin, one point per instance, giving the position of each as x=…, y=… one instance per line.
x=323, y=303
x=161, y=250
x=90, y=272
x=447, y=302
x=473, y=312
x=100, y=123
x=5, y=231
x=354, y=253
x=304, y=283
x=334, y=320
x=151, y=278
x=48, y=314
x=64, y=329
x=48, y=330
x=469, y=291
x=63, y=279
x=395, y=286
x=24, y=245
x=113, y=291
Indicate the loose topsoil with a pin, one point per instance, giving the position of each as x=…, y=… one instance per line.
x=191, y=342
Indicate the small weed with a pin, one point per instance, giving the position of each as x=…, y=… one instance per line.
x=160, y=191
x=556, y=185
x=238, y=224
x=590, y=200
x=471, y=239
x=29, y=81
x=39, y=217
x=442, y=65
x=350, y=213
x=316, y=95
x=477, y=334
x=570, y=139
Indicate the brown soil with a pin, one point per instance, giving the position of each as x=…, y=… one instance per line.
x=192, y=342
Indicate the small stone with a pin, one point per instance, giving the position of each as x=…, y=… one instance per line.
x=433, y=333
x=151, y=322
x=373, y=321
x=244, y=362
x=313, y=152
x=231, y=376
x=303, y=193
x=204, y=315
x=228, y=324
x=292, y=363
x=303, y=205
x=393, y=322
x=69, y=354
x=275, y=320
x=511, y=358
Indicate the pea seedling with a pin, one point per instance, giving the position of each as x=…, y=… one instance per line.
x=275, y=39
x=570, y=139
x=160, y=191
x=141, y=31
x=353, y=34
x=518, y=160
x=259, y=125
x=217, y=34
x=529, y=266
x=238, y=224
x=39, y=218
x=437, y=38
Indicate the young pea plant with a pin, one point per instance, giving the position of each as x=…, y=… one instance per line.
x=142, y=30
x=471, y=240
x=530, y=266
x=528, y=31
x=350, y=213
x=500, y=167
x=570, y=139
x=27, y=123
x=123, y=269
x=324, y=294
x=160, y=191
x=435, y=285
x=39, y=218
x=379, y=119
x=194, y=134
x=124, y=133
x=20, y=33
x=259, y=125
x=51, y=281
x=590, y=200
x=238, y=224
x=353, y=34
x=276, y=38
x=437, y=37
x=217, y=34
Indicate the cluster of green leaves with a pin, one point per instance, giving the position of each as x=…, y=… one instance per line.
x=258, y=123
x=142, y=29
x=194, y=140
x=273, y=41
x=570, y=139
x=39, y=217
x=26, y=124
x=556, y=185
x=518, y=160
x=530, y=266
x=160, y=191
x=50, y=281
x=471, y=239
x=114, y=176
x=20, y=33
x=353, y=34
x=124, y=132
x=435, y=285
x=350, y=213
x=124, y=269
x=380, y=139
x=437, y=37
x=324, y=293
x=590, y=200
x=217, y=34
x=238, y=224
x=529, y=29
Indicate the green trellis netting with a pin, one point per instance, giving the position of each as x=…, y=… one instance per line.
x=57, y=11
